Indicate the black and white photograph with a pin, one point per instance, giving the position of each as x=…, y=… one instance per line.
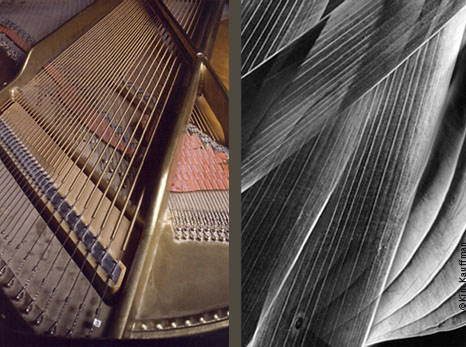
x=353, y=161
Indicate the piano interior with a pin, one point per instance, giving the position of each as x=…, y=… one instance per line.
x=114, y=167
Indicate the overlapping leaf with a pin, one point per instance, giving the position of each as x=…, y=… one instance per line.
x=325, y=71
x=422, y=291
x=351, y=163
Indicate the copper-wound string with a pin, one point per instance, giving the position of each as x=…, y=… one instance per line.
x=78, y=119
x=140, y=200
x=15, y=229
x=35, y=296
x=67, y=117
x=130, y=164
x=48, y=301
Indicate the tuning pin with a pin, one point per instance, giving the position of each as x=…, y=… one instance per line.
x=2, y=270
x=10, y=282
x=69, y=333
x=20, y=294
x=39, y=318
x=53, y=329
x=29, y=307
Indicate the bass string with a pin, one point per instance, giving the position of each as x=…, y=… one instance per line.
x=131, y=160
x=108, y=125
x=113, y=177
x=107, y=283
x=49, y=79
x=137, y=174
x=121, y=252
x=130, y=165
x=133, y=99
x=147, y=148
x=35, y=145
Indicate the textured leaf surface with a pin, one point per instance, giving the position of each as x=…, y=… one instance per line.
x=359, y=43
x=353, y=173
x=423, y=288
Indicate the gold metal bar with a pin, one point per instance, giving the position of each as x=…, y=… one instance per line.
x=140, y=269
x=215, y=92
x=216, y=95
x=147, y=247
x=212, y=28
x=176, y=32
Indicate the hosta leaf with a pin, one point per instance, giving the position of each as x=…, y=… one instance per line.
x=423, y=287
x=429, y=308
x=352, y=163
x=268, y=26
x=438, y=176
x=360, y=42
